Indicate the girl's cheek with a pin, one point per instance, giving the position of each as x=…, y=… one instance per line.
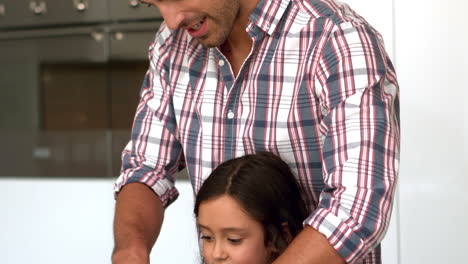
x=206, y=256
x=250, y=255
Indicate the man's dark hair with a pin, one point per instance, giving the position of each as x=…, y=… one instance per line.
x=266, y=189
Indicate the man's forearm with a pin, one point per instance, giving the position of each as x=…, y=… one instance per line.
x=138, y=219
x=310, y=247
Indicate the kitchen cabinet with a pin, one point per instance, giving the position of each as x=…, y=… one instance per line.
x=69, y=94
x=39, y=13
x=132, y=9
x=33, y=13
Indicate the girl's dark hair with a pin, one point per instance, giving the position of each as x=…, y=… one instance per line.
x=265, y=187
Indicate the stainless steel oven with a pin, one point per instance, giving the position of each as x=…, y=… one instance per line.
x=70, y=74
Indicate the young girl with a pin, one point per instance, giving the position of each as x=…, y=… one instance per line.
x=248, y=210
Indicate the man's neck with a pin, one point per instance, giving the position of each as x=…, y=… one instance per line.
x=239, y=41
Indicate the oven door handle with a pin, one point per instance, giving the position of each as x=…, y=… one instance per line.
x=134, y=3
x=2, y=9
x=38, y=7
x=122, y=34
x=97, y=34
x=81, y=5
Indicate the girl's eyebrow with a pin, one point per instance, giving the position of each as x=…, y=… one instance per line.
x=202, y=226
x=226, y=229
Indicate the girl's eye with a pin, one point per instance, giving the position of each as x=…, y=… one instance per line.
x=235, y=241
x=206, y=238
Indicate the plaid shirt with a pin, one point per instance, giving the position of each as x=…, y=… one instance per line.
x=317, y=89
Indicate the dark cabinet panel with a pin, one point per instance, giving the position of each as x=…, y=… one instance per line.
x=39, y=13
x=16, y=159
x=125, y=80
x=120, y=139
x=53, y=45
x=131, y=41
x=90, y=96
x=74, y=97
x=47, y=12
x=132, y=9
x=72, y=154
x=70, y=84
x=86, y=114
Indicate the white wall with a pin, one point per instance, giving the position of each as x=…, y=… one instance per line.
x=433, y=180
x=69, y=221
x=428, y=47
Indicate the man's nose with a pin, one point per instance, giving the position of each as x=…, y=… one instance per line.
x=172, y=15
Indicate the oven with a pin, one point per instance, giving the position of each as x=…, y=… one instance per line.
x=70, y=76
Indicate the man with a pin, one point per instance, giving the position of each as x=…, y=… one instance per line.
x=306, y=79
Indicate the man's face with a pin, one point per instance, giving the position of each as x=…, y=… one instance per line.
x=208, y=21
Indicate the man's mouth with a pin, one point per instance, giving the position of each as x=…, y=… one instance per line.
x=199, y=29
x=198, y=26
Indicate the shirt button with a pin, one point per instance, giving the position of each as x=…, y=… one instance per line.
x=230, y=115
x=221, y=63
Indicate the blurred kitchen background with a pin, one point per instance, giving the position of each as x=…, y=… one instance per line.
x=70, y=73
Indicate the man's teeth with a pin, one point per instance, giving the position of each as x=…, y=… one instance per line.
x=197, y=26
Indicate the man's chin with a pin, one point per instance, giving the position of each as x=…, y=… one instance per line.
x=209, y=42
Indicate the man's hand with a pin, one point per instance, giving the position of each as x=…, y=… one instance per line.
x=138, y=219
x=310, y=247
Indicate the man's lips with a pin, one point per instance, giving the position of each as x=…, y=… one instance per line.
x=198, y=29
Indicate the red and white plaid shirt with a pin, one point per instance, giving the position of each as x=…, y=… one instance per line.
x=317, y=89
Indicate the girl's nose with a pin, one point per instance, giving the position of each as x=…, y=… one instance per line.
x=219, y=253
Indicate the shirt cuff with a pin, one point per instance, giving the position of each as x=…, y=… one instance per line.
x=163, y=187
x=340, y=235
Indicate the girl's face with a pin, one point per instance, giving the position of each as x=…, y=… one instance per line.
x=229, y=235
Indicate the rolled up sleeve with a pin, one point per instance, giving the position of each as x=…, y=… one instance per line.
x=357, y=87
x=153, y=154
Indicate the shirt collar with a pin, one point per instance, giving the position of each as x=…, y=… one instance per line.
x=268, y=14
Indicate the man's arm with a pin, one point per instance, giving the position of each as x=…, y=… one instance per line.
x=358, y=91
x=138, y=218
x=150, y=160
x=310, y=247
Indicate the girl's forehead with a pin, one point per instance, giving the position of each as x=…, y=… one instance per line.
x=225, y=212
